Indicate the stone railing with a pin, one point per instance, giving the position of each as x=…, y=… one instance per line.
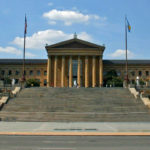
x=134, y=92
x=6, y=94
x=145, y=100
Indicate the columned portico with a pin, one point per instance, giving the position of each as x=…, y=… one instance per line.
x=75, y=60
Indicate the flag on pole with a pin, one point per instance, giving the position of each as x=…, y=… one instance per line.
x=128, y=25
x=25, y=29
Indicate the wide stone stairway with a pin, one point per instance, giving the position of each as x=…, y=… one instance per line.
x=75, y=104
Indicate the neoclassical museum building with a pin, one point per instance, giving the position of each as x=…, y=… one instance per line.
x=71, y=61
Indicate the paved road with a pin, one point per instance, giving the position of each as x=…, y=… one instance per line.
x=74, y=142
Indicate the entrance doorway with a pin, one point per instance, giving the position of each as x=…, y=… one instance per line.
x=75, y=72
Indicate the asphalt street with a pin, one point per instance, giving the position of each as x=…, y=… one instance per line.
x=74, y=142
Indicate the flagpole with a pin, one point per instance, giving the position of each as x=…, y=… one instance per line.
x=23, y=77
x=126, y=51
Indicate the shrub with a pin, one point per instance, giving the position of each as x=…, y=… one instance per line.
x=7, y=80
x=116, y=81
x=141, y=82
x=32, y=83
x=111, y=78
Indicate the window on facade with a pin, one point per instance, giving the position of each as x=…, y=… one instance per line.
x=16, y=81
x=133, y=73
x=133, y=81
x=147, y=73
x=31, y=72
x=75, y=68
x=3, y=72
x=45, y=73
x=17, y=72
x=118, y=73
x=24, y=72
x=9, y=72
x=104, y=73
x=38, y=80
x=38, y=72
x=45, y=82
x=140, y=73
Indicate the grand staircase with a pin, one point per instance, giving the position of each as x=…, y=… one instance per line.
x=75, y=104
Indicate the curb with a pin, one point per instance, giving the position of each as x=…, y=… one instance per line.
x=77, y=133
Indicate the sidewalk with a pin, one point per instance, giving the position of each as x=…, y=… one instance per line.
x=75, y=128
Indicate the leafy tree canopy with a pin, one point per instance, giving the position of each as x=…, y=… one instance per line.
x=111, y=78
x=32, y=83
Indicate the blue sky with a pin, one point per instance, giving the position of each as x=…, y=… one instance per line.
x=51, y=21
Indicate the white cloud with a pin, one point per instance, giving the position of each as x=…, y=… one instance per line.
x=69, y=17
x=84, y=36
x=50, y=4
x=52, y=22
x=119, y=53
x=10, y=50
x=39, y=39
x=13, y=50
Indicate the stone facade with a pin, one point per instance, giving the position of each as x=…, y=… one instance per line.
x=12, y=68
x=73, y=61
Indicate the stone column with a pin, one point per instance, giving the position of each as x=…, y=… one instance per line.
x=63, y=72
x=100, y=71
x=70, y=71
x=86, y=72
x=49, y=71
x=79, y=72
x=55, y=71
x=93, y=71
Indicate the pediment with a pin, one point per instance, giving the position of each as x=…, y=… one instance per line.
x=73, y=43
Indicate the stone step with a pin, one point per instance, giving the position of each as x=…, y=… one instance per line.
x=73, y=108
x=67, y=116
x=72, y=104
x=95, y=98
x=37, y=103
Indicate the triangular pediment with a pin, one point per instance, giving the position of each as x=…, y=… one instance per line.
x=74, y=43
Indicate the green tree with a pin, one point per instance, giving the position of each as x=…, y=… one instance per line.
x=32, y=83
x=141, y=81
x=7, y=80
x=111, y=78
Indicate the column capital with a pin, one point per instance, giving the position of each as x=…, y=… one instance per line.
x=101, y=57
